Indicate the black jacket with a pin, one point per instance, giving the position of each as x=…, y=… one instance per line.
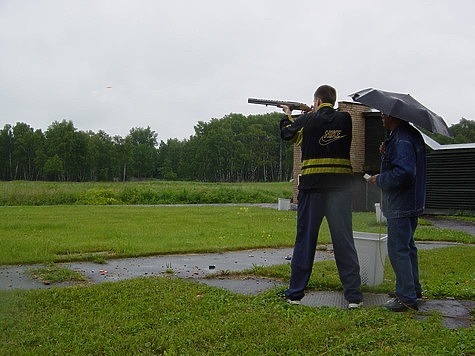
x=325, y=139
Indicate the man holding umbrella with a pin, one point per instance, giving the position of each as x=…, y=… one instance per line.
x=402, y=180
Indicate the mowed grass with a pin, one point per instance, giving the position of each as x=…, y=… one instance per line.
x=63, y=233
x=166, y=315
x=30, y=234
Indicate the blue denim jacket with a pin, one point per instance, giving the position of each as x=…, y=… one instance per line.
x=403, y=173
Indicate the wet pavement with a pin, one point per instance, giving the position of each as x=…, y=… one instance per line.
x=452, y=224
x=212, y=269
x=196, y=266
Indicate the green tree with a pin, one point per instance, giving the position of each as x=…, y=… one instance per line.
x=100, y=153
x=237, y=148
x=60, y=148
x=40, y=155
x=54, y=169
x=80, y=165
x=172, y=160
x=26, y=145
x=6, y=152
x=64, y=141
x=143, y=152
x=464, y=131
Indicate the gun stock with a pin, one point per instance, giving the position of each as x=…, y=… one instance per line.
x=293, y=105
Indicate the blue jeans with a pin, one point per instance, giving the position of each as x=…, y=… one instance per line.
x=312, y=208
x=402, y=253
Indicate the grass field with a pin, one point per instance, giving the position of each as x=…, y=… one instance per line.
x=17, y=193
x=165, y=316
x=64, y=233
x=170, y=316
x=35, y=234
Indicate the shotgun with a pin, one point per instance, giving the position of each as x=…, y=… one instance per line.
x=293, y=105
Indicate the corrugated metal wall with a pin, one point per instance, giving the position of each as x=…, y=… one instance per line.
x=451, y=180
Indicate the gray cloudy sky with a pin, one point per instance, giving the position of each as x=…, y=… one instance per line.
x=113, y=64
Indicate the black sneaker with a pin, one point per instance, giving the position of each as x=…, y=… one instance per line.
x=394, y=295
x=396, y=305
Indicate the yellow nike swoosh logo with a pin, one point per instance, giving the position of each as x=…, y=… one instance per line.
x=326, y=141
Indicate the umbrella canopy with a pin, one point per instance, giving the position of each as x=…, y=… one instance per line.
x=404, y=107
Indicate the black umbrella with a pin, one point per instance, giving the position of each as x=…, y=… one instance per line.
x=404, y=107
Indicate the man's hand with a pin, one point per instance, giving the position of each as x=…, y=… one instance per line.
x=286, y=109
x=372, y=179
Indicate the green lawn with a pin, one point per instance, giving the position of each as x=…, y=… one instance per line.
x=157, y=316
x=180, y=317
x=63, y=233
x=30, y=234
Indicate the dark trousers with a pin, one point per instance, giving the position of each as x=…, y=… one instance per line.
x=402, y=252
x=312, y=208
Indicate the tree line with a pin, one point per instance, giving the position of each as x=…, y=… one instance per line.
x=234, y=148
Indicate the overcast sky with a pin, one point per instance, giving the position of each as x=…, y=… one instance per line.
x=114, y=65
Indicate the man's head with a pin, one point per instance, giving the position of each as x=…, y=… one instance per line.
x=324, y=94
x=390, y=122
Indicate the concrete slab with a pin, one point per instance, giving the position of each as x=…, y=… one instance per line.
x=187, y=266
x=455, y=313
x=183, y=266
x=202, y=268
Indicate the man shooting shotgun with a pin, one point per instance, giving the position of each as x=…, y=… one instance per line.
x=325, y=190
x=292, y=105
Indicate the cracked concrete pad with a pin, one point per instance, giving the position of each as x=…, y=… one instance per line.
x=205, y=268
